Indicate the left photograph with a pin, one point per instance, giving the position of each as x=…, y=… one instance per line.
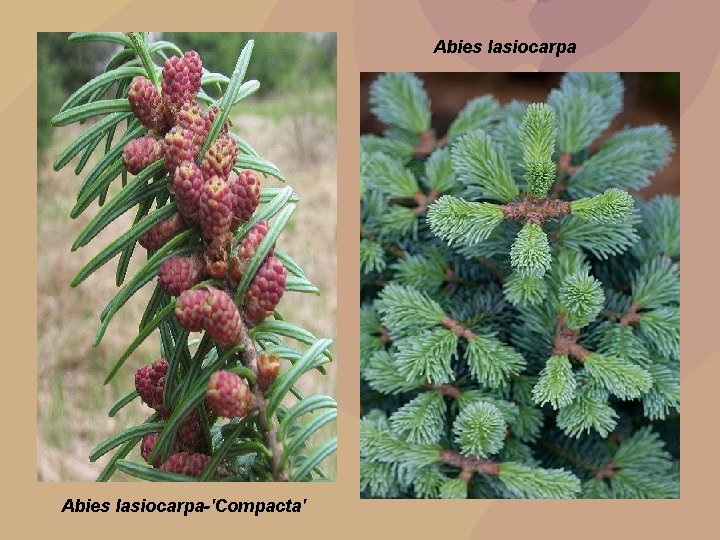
x=186, y=186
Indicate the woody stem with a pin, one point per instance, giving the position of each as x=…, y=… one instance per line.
x=534, y=211
x=565, y=341
x=470, y=464
x=266, y=425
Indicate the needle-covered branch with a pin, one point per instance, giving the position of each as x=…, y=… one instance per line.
x=213, y=253
x=528, y=336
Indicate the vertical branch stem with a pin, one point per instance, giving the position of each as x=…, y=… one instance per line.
x=266, y=425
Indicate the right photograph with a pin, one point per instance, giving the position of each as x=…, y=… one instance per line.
x=520, y=285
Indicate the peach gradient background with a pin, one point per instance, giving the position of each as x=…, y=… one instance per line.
x=385, y=35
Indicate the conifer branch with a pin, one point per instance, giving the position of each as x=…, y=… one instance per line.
x=426, y=145
x=564, y=164
x=457, y=220
x=451, y=277
x=400, y=100
x=384, y=335
x=530, y=253
x=537, y=483
x=607, y=207
x=392, y=250
x=534, y=211
x=457, y=328
x=189, y=203
x=480, y=429
x=267, y=425
x=470, y=463
x=601, y=473
x=565, y=341
x=556, y=384
x=569, y=457
x=445, y=390
x=429, y=143
x=606, y=472
x=503, y=355
x=538, y=139
x=422, y=201
x=465, y=475
x=418, y=202
x=580, y=297
x=481, y=166
x=632, y=317
x=492, y=267
x=629, y=318
x=522, y=290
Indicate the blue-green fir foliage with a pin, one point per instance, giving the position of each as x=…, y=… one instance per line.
x=520, y=319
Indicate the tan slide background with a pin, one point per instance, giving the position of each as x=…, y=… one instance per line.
x=387, y=35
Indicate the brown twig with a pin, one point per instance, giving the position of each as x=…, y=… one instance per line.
x=384, y=335
x=266, y=425
x=452, y=277
x=427, y=144
x=565, y=341
x=445, y=390
x=469, y=464
x=534, y=211
x=563, y=165
x=457, y=328
x=606, y=472
x=466, y=475
x=632, y=317
x=422, y=201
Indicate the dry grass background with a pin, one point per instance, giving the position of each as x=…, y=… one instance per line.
x=297, y=134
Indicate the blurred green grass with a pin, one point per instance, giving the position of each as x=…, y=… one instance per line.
x=319, y=104
x=72, y=401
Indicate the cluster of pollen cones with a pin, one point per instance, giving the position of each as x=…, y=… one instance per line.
x=214, y=197
x=209, y=194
